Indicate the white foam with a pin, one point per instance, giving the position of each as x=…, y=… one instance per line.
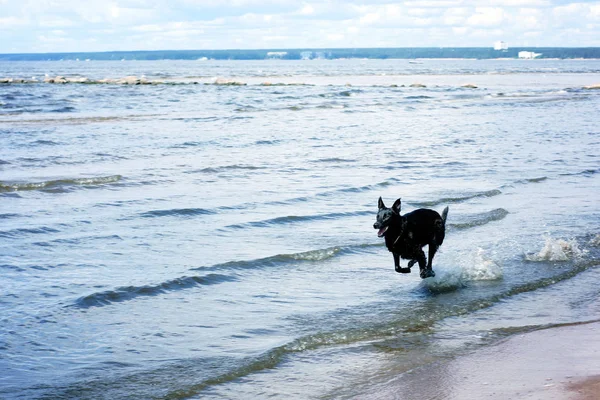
x=445, y=280
x=556, y=250
x=474, y=266
x=595, y=241
x=481, y=268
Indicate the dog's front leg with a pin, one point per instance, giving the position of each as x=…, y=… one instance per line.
x=397, y=265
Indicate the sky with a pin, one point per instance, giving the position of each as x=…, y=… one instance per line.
x=39, y=26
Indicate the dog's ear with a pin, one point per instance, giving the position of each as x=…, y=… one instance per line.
x=396, y=206
x=380, y=203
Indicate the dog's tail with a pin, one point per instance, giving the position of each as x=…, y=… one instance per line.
x=445, y=214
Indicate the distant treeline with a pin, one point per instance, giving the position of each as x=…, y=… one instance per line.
x=298, y=54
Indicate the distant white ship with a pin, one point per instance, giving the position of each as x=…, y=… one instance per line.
x=528, y=55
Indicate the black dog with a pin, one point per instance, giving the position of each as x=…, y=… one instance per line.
x=405, y=235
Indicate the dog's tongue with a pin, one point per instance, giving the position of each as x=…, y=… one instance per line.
x=381, y=232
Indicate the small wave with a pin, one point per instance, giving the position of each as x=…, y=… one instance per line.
x=595, y=241
x=27, y=231
x=457, y=199
x=64, y=109
x=233, y=167
x=59, y=183
x=481, y=219
x=9, y=215
x=334, y=160
x=2, y=162
x=273, y=357
x=286, y=259
x=343, y=93
x=422, y=97
x=267, y=142
x=44, y=143
x=584, y=172
x=191, y=144
x=297, y=218
x=353, y=189
x=194, y=119
x=535, y=180
x=557, y=250
x=178, y=212
x=100, y=299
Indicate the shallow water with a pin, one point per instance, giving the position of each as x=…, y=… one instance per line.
x=186, y=240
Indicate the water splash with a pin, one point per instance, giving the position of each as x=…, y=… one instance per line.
x=595, y=241
x=482, y=268
x=556, y=250
x=477, y=266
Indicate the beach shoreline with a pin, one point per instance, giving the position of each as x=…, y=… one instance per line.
x=556, y=363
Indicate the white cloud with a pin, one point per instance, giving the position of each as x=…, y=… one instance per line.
x=486, y=17
x=307, y=10
x=433, y=3
x=460, y=30
x=159, y=24
x=370, y=18
x=515, y=3
x=335, y=37
x=12, y=22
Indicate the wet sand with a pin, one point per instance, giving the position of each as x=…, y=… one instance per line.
x=551, y=364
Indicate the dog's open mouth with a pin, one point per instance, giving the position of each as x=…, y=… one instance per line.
x=382, y=231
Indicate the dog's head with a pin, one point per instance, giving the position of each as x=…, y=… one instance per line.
x=385, y=216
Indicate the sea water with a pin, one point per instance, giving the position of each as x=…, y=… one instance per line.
x=186, y=239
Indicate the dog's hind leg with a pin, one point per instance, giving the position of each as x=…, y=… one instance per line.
x=433, y=247
x=420, y=257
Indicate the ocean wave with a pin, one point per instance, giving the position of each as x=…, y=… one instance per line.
x=43, y=142
x=176, y=212
x=225, y=168
x=290, y=219
x=474, y=220
x=126, y=293
x=585, y=172
x=533, y=180
x=457, y=199
x=64, y=109
x=286, y=259
x=267, y=142
x=9, y=215
x=330, y=193
x=27, y=231
x=59, y=184
x=343, y=93
x=418, y=97
x=334, y=160
x=192, y=144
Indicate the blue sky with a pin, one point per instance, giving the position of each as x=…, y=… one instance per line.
x=106, y=25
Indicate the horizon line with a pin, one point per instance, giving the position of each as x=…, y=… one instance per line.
x=299, y=48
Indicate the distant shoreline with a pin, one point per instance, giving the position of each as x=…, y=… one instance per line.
x=413, y=53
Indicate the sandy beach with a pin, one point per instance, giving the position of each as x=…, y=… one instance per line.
x=550, y=364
